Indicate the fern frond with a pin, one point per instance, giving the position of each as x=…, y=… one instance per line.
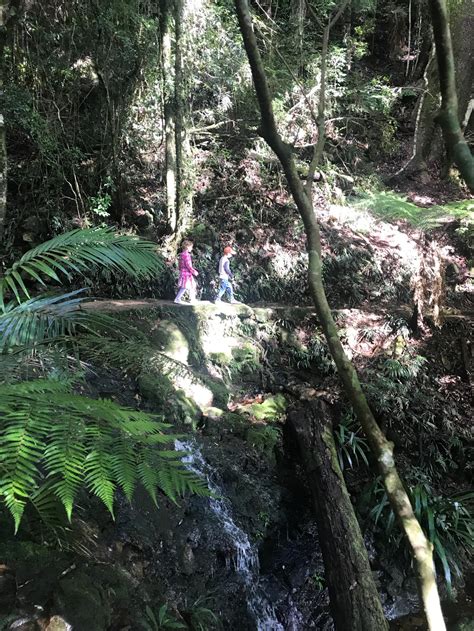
x=127, y=354
x=148, y=477
x=175, y=480
x=21, y=447
x=53, y=442
x=49, y=508
x=124, y=464
x=392, y=207
x=99, y=477
x=76, y=252
x=64, y=459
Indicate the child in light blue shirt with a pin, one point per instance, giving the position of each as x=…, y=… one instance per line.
x=226, y=276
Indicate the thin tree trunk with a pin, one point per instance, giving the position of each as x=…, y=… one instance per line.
x=321, y=117
x=382, y=449
x=355, y=603
x=448, y=117
x=184, y=190
x=3, y=144
x=169, y=118
x=3, y=175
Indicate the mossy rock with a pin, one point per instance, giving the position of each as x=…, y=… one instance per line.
x=245, y=361
x=160, y=392
x=219, y=390
x=264, y=438
x=219, y=423
x=156, y=388
x=88, y=597
x=169, y=338
x=245, y=352
x=236, y=423
x=220, y=359
x=270, y=410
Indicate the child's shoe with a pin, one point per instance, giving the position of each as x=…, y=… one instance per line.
x=235, y=302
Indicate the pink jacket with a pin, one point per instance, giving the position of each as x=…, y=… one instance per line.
x=186, y=270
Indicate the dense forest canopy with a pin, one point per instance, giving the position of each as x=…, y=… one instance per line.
x=314, y=158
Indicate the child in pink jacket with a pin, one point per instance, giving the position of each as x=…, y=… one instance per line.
x=187, y=273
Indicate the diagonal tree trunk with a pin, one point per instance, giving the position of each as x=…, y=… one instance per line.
x=382, y=449
x=448, y=115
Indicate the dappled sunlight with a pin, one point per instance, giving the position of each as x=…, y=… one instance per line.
x=218, y=340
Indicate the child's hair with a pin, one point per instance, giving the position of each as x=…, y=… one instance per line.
x=228, y=250
x=186, y=243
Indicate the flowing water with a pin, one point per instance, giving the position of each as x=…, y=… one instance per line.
x=245, y=560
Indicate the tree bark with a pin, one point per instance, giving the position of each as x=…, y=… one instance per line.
x=3, y=175
x=355, y=604
x=321, y=117
x=169, y=108
x=4, y=4
x=448, y=116
x=184, y=197
x=382, y=449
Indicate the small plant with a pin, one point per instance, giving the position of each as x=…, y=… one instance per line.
x=406, y=367
x=351, y=446
x=162, y=621
x=202, y=618
x=101, y=203
x=314, y=354
x=448, y=523
x=264, y=439
x=318, y=581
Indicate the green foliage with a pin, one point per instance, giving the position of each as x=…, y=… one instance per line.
x=351, y=446
x=406, y=367
x=264, y=438
x=161, y=621
x=392, y=207
x=54, y=442
x=313, y=354
x=201, y=617
x=48, y=318
x=76, y=252
x=448, y=523
x=318, y=581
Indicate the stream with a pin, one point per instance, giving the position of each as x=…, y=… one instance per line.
x=245, y=561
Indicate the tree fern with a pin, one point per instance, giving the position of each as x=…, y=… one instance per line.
x=54, y=442
x=76, y=252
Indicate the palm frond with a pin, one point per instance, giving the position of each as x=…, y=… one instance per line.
x=51, y=318
x=76, y=252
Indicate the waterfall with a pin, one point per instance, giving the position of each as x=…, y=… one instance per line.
x=245, y=560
